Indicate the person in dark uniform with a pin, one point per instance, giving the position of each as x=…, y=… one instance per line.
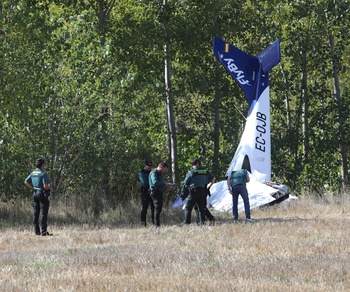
x=146, y=199
x=196, y=181
x=38, y=181
x=158, y=186
x=236, y=183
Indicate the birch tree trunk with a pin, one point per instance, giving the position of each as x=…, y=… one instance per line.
x=172, y=136
x=305, y=109
x=336, y=91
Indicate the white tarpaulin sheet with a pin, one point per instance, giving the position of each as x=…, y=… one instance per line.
x=259, y=195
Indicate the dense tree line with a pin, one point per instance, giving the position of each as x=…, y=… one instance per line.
x=96, y=86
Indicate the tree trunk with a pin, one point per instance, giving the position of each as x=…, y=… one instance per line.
x=217, y=120
x=286, y=98
x=172, y=136
x=336, y=90
x=305, y=109
x=104, y=10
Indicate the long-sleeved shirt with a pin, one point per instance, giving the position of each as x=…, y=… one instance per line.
x=156, y=180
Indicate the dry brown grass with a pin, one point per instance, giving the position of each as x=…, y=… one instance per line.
x=303, y=247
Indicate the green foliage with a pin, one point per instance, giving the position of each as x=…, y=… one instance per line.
x=82, y=85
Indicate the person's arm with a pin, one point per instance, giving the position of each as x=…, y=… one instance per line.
x=28, y=181
x=248, y=178
x=28, y=184
x=158, y=181
x=213, y=180
x=229, y=184
x=142, y=178
x=187, y=180
x=46, y=182
x=46, y=186
x=150, y=179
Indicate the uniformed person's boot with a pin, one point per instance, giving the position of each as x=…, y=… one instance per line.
x=37, y=230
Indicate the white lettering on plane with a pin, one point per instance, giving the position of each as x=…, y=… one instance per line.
x=232, y=67
x=261, y=129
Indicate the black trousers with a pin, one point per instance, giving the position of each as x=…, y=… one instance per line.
x=146, y=200
x=41, y=204
x=157, y=198
x=197, y=197
x=207, y=213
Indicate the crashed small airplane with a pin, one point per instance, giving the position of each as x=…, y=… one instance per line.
x=254, y=150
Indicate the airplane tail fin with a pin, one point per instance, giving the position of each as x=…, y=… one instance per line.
x=270, y=57
x=251, y=74
x=241, y=66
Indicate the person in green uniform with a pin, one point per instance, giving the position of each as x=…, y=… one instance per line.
x=38, y=181
x=196, y=181
x=146, y=199
x=236, y=183
x=157, y=186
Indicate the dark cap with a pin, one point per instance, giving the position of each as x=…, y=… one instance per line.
x=195, y=161
x=148, y=162
x=39, y=162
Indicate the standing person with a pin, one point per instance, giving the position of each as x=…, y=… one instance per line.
x=196, y=181
x=146, y=199
x=158, y=186
x=38, y=181
x=236, y=183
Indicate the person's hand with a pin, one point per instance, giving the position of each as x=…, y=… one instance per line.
x=47, y=193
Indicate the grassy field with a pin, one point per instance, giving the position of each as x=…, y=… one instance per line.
x=301, y=247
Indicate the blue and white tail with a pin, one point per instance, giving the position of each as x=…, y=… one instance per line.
x=251, y=74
